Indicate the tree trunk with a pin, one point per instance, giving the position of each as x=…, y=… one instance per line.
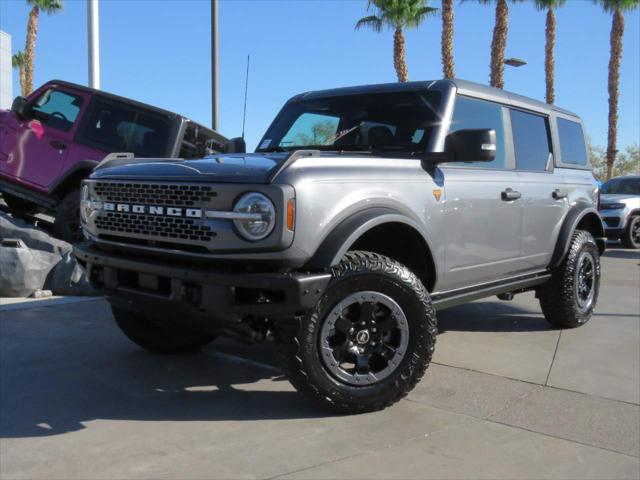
x=398, y=55
x=549, y=60
x=446, y=42
x=30, y=49
x=498, y=44
x=617, y=30
x=21, y=73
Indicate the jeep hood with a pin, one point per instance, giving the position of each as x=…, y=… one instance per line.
x=222, y=168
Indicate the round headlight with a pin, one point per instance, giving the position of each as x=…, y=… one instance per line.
x=85, y=208
x=259, y=216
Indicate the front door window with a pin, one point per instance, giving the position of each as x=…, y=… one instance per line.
x=56, y=109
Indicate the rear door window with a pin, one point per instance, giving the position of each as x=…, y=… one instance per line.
x=572, y=145
x=56, y=109
x=117, y=127
x=530, y=140
x=471, y=113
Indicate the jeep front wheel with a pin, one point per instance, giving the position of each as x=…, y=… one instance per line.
x=67, y=223
x=157, y=336
x=568, y=299
x=368, y=340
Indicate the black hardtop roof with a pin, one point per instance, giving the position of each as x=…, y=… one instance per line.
x=463, y=87
x=112, y=96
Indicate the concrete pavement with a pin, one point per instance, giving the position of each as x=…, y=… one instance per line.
x=506, y=397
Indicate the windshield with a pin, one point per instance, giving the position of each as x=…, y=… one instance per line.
x=622, y=186
x=392, y=122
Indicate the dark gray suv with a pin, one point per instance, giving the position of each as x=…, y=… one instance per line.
x=363, y=211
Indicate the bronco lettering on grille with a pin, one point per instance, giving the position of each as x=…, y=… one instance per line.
x=153, y=210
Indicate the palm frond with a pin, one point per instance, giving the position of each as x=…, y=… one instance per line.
x=372, y=21
x=611, y=6
x=47, y=6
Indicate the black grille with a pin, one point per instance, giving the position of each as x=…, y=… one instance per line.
x=154, y=193
x=153, y=225
x=611, y=221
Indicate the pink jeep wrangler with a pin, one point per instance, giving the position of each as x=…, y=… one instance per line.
x=51, y=140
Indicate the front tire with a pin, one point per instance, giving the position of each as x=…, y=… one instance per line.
x=67, y=222
x=159, y=337
x=569, y=298
x=631, y=236
x=367, y=342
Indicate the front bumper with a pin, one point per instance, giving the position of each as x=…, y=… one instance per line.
x=170, y=290
x=614, y=222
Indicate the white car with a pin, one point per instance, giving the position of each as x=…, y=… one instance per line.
x=620, y=209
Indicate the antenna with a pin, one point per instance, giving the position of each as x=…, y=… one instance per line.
x=246, y=88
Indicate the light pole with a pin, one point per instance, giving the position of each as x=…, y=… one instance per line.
x=214, y=64
x=93, y=33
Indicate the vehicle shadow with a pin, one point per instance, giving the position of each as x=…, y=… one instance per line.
x=620, y=253
x=109, y=379
x=495, y=316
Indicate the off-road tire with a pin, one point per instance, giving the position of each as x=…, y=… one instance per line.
x=67, y=222
x=627, y=238
x=297, y=341
x=159, y=337
x=558, y=297
x=18, y=206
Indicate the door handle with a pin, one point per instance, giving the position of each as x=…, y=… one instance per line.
x=58, y=145
x=510, y=194
x=558, y=194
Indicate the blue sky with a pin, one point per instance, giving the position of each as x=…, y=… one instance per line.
x=159, y=52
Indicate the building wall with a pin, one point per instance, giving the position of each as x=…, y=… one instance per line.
x=6, y=77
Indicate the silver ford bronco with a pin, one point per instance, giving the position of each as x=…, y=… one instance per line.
x=363, y=211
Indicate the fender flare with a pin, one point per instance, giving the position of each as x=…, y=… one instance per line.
x=344, y=235
x=571, y=221
x=82, y=166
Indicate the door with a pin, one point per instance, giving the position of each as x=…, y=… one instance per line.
x=482, y=205
x=544, y=194
x=37, y=152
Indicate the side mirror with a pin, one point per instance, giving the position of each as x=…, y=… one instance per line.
x=236, y=145
x=19, y=107
x=471, y=146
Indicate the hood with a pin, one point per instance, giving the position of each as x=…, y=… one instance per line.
x=222, y=168
x=613, y=198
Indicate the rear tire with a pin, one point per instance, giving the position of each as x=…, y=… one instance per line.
x=159, y=337
x=569, y=298
x=367, y=342
x=20, y=207
x=67, y=222
x=631, y=236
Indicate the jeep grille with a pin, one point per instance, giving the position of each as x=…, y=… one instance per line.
x=156, y=193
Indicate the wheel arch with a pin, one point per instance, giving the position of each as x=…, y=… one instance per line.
x=580, y=217
x=71, y=178
x=363, y=231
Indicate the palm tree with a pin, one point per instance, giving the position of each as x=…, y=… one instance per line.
x=398, y=15
x=17, y=61
x=550, y=42
x=446, y=43
x=615, y=7
x=499, y=41
x=49, y=7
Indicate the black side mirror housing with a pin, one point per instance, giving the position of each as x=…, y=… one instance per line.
x=236, y=145
x=471, y=146
x=19, y=107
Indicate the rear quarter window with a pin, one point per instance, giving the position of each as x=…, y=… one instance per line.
x=573, y=150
